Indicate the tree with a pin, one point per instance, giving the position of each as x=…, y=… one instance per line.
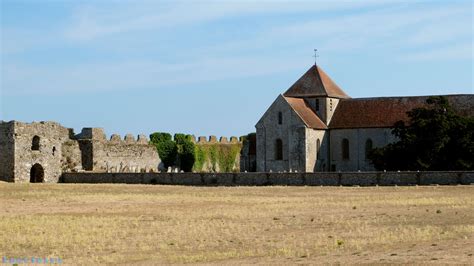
x=436, y=138
x=166, y=147
x=186, y=151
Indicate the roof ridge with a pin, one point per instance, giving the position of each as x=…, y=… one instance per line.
x=321, y=80
x=405, y=97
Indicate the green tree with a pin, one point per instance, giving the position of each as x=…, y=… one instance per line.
x=166, y=147
x=435, y=139
x=186, y=151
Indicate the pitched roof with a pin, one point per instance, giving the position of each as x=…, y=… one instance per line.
x=386, y=111
x=315, y=83
x=304, y=111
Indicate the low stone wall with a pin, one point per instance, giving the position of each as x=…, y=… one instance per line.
x=277, y=179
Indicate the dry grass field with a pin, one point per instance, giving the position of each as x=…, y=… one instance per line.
x=84, y=224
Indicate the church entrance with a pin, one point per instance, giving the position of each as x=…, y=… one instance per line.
x=37, y=174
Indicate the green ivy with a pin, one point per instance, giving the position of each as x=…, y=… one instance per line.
x=220, y=156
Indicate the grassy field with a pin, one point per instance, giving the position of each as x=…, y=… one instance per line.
x=169, y=224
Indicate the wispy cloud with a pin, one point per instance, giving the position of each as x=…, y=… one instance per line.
x=90, y=23
x=413, y=33
x=463, y=51
x=134, y=75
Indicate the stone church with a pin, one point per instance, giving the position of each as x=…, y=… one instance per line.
x=315, y=126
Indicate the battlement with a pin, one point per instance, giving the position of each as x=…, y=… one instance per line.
x=99, y=135
x=213, y=140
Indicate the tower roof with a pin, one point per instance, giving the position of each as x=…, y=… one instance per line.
x=304, y=111
x=315, y=83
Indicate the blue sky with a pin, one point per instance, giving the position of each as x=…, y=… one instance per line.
x=213, y=68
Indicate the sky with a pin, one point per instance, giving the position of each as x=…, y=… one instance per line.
x=214, y=67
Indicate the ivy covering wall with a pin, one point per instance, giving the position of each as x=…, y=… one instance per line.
x=216, y=157
x=182, y=152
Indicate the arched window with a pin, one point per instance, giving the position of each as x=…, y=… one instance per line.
x=368, y=147
x=278, y=150
x=318, y=148
x=345, y=149
x=280, y=118
x=35, y=145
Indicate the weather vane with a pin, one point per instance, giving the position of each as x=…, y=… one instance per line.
x=315, y=56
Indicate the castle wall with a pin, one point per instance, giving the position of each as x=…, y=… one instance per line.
x=71, y=160
x=117, y=155
x=221, y=148
x=49, y=155
x=357, y=140
x=7, y=149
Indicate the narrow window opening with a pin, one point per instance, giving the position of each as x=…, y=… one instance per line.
x=318, y=148
x=317, y=105
x=35, y=145
x=280, y=118
x=54, y=150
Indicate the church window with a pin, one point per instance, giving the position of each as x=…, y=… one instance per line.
x=345, y=149
x=318, y=148
x=368, y=148
x=317, y=104
x=278, y=150
x=35, y=145
x=280, y=118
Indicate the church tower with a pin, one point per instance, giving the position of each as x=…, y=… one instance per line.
x=319, y=92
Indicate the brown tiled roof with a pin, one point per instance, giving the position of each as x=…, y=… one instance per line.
x=385, y=112
x=315, y=83
x=305, y=112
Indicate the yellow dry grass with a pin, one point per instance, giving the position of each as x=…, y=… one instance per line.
x=85, y=224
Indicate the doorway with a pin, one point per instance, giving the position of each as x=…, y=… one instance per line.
x=37, y=174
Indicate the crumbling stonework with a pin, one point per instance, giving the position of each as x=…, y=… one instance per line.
x=42, y=151
x=117, y=155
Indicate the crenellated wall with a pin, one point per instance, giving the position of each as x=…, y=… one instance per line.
x=117, y=154
x=215, y=140
x=43, y=151
x=215, y=155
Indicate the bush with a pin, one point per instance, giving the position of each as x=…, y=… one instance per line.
x=166, y=147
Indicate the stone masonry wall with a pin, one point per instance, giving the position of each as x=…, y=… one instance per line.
x=357, y=138
x=51, y=137
x=7, y=151
x=71, y=160
x=278, y=179
x=291, y=132
x=117, y=155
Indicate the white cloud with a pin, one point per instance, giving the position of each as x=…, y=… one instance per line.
x=131, y=75
x=463, y=51
x=90, y=22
